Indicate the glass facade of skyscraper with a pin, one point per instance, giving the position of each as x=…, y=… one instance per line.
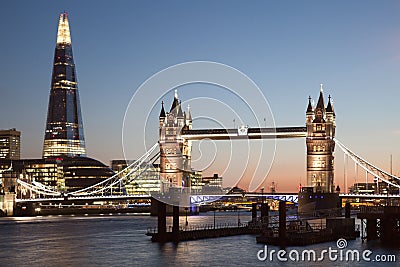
x=64, y=129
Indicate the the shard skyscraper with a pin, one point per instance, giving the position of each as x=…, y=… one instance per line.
x=64, y=129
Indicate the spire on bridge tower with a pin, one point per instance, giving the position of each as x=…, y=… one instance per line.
x=320, y=108
x=310, y=111
x=310, y=107
x=162, y=113
x=329, y=107
x=188, y=116
x=330, y=113
x=175, y=104
x=321, y=102
x=180, y=117
x=180, y=113
x=162, y=117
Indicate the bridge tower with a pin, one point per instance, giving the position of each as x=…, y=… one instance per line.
x=175, y=152
x=321, y=124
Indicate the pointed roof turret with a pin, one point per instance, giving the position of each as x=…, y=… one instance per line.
x=329, y=107
x=310, y=106
x=175, y=103
x=321, y=103
x=180, y=113
x=188, y=115
x=162, y=113
x=63, y=33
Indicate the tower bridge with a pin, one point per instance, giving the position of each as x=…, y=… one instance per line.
x=175, y=146
x=176, y=134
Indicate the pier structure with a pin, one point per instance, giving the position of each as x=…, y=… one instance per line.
x=380, y=223
x=178, y=233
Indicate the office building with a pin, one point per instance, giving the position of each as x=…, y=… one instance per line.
x=64, y=128
x=10, y=144
x=143, y=181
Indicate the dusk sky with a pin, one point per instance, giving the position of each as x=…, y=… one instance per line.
x=286, y=47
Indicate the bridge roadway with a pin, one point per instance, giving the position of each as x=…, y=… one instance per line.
x=245, y=133
x=195, y=199
x=200, y=199
x=76, y=198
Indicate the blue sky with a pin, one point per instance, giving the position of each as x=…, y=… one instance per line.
x=286, y=47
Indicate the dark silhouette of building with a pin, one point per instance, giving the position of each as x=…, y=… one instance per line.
x=64, y=129
x=66, y=174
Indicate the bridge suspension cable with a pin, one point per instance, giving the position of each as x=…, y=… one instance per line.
x=109, y=183
x=136, y=169
x=9, y=168
x=370, y=168
x=38, y=189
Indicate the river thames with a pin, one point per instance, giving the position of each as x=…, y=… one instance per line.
x=120, y=240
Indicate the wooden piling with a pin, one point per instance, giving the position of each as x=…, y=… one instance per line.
x=282, y=223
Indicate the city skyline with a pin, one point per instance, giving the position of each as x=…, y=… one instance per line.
x=354, y=52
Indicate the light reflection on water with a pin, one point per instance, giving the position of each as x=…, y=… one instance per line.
x=120, y=240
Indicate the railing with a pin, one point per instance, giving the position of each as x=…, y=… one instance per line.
x=371, y=209
x=320, y=213
x=200, y=227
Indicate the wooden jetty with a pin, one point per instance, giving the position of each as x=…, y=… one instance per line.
x=176, y=233
x=200, y=232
